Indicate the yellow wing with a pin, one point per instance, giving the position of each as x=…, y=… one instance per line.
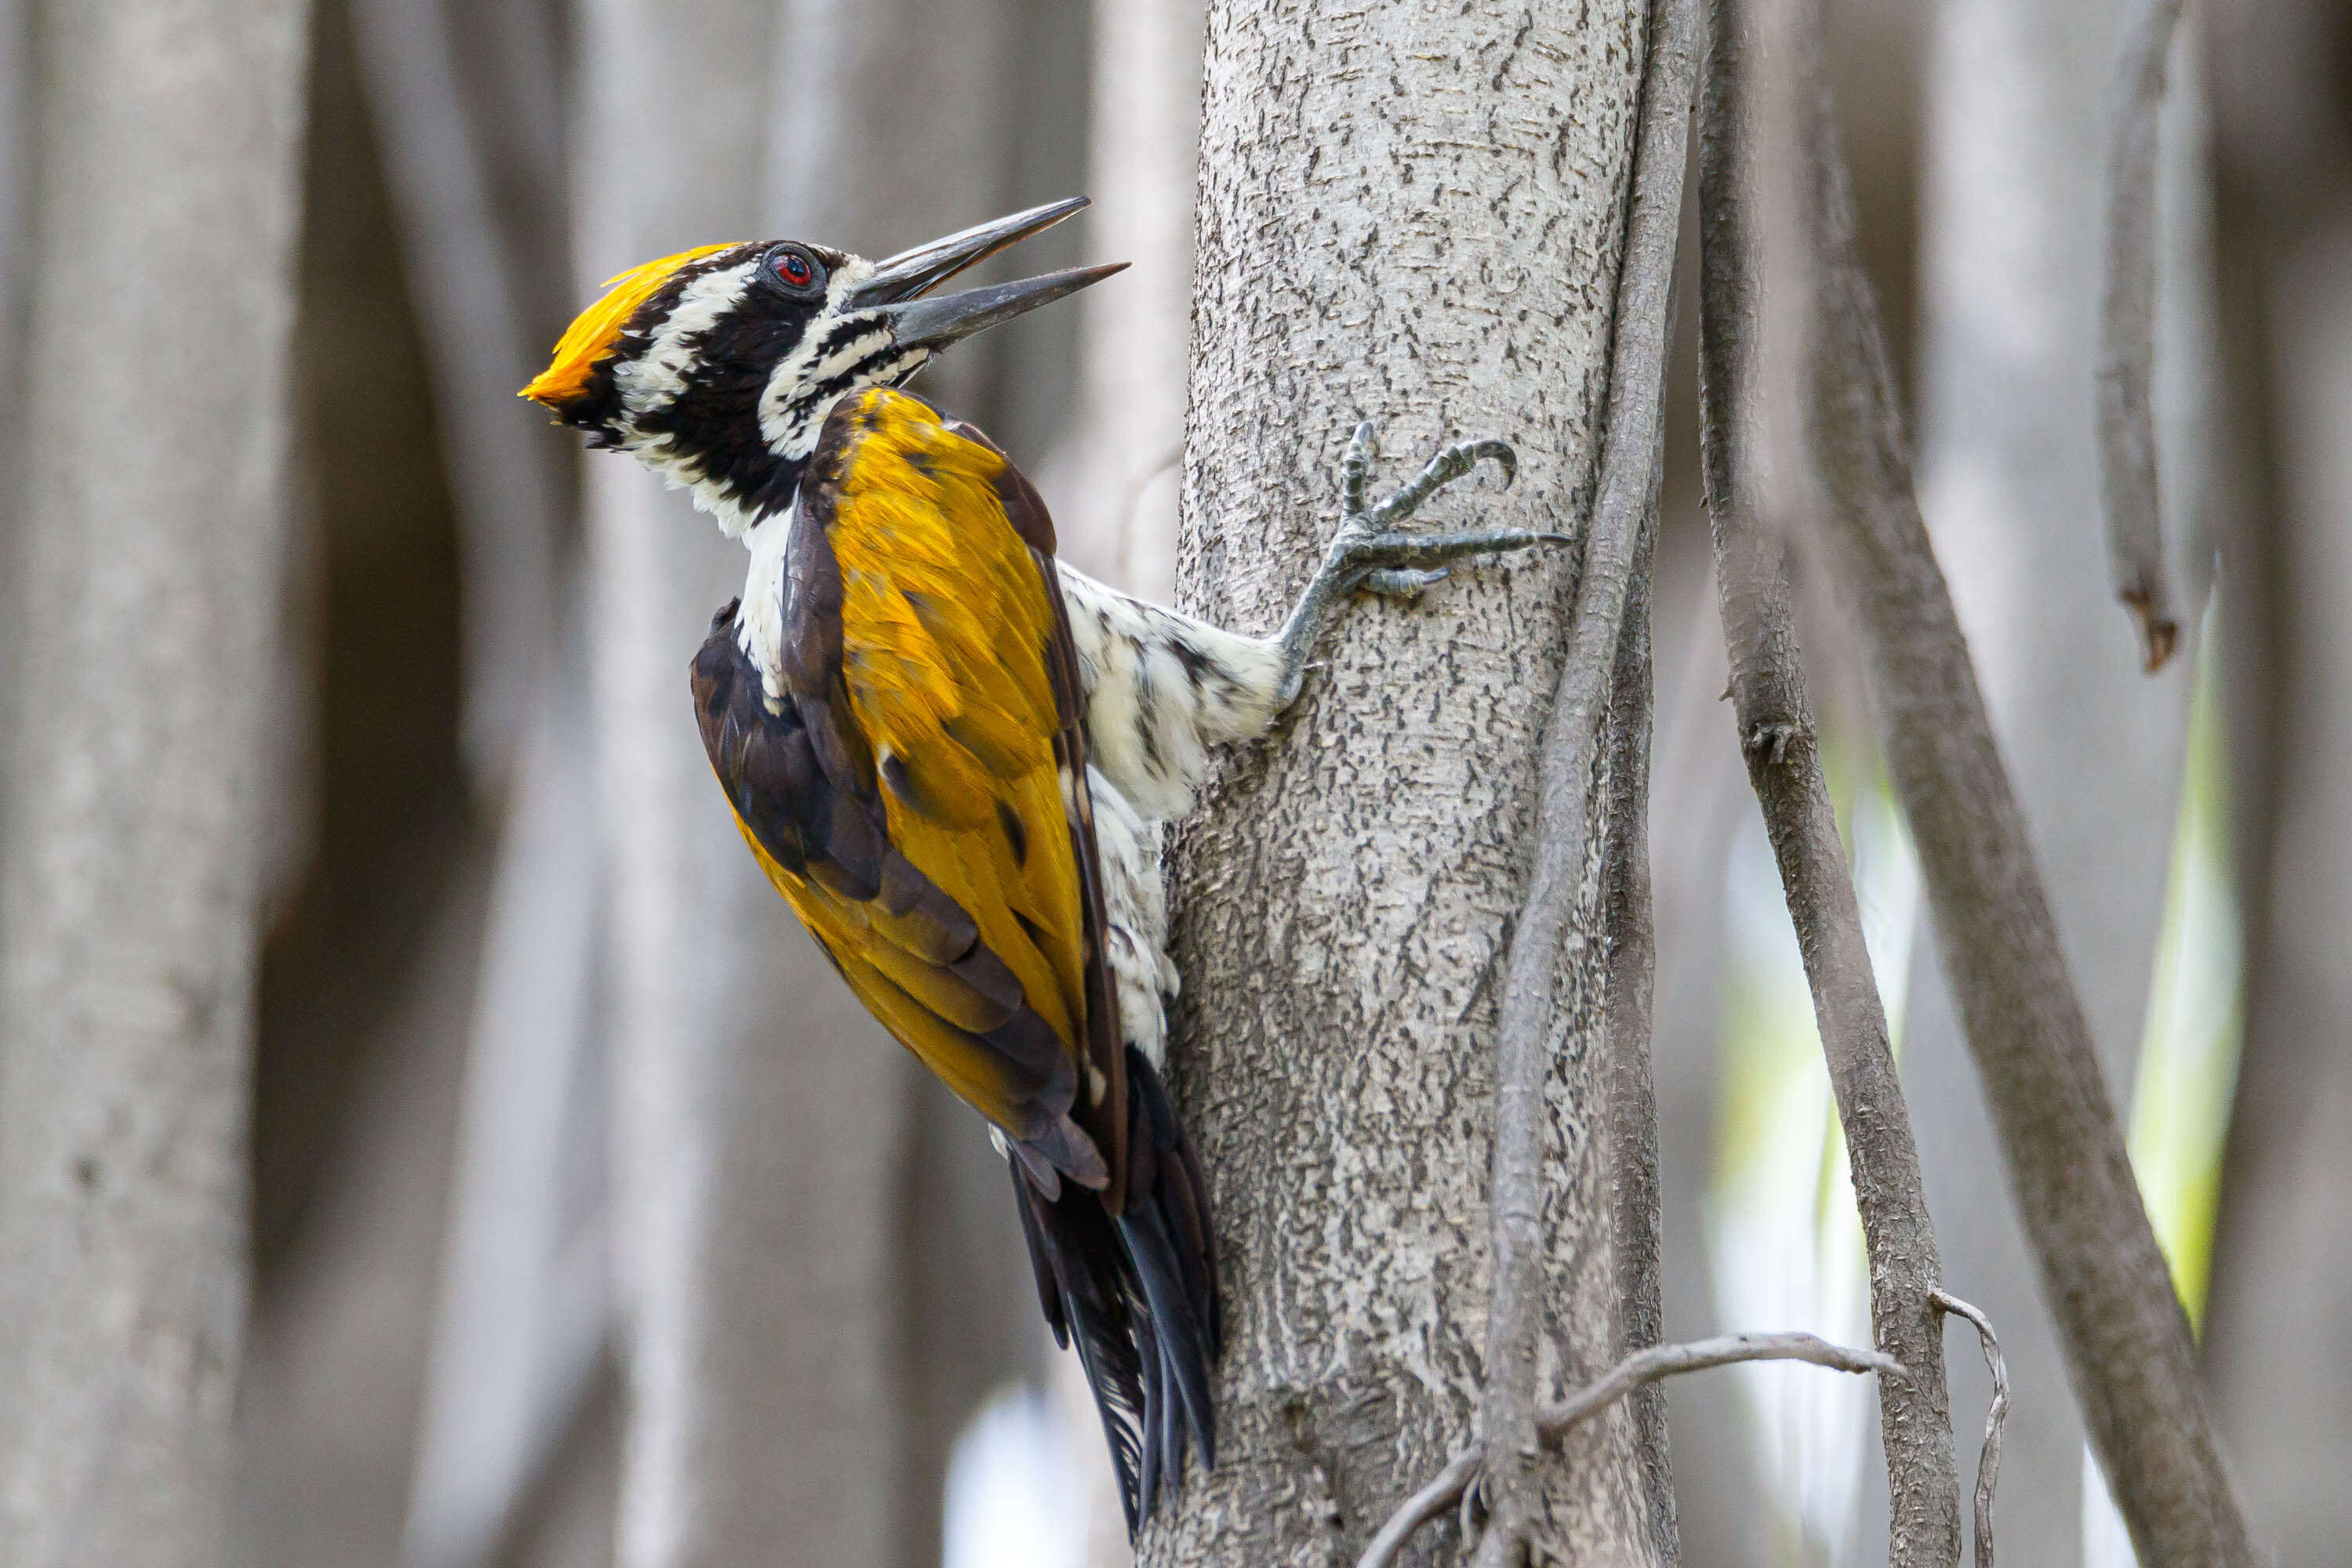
x=920, y=797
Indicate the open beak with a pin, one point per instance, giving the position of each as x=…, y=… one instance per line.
x=896, y=287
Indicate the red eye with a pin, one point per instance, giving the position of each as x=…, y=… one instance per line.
x=797, y=273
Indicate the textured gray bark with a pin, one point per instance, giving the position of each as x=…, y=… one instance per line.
x=145, y=594
x=1380, y=236
x=2009, y=481
x=822, y=1267
x=1611, y=582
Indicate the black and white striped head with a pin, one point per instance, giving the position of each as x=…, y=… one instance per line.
x=716, y=367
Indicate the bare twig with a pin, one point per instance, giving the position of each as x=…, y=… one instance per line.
x=1633, y=1116
x=2128, y=335
x=1636, y=1371
x=1988, y=1457
x=2129, y=1356
x=1451, y=1485
x=1623, y=510
x=1777, y=736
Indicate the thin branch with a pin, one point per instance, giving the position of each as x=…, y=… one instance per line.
x=1782, y=752
x=2128, y=335
x=1627, y=916
x=2130, y=1359
x=1989, y=1457
x=1623, y=510
x=1636, y=1371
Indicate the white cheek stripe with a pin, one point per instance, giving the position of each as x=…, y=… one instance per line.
x=655, y=377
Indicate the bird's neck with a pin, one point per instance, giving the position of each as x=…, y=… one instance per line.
x=742, y=484
x=760, y=622
x=744, y=504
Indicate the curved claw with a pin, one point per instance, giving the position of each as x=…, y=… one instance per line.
x=1503, y=454
x=1356, y=470
x=1450, y=464
x=1403, y=582
x=1376, y=552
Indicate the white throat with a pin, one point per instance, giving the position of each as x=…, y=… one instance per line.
x=760, y=623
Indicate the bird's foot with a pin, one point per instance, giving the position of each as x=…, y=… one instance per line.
x=1368, y=553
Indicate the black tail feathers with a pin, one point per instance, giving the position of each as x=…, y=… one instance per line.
x=1137, y=1295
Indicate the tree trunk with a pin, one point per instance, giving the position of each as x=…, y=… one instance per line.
x=1375, y=240
x=2009, y=481
x=148, y=584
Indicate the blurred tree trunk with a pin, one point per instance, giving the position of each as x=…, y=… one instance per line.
x=823, y=1274
x=16, y=85
x=1121, y=464
x=147, y=589
x=686, y=909
x=1377, y=238
x=483, y=254
x=1700, y=789
x=2282, y=1304
x=2010, y=266
x=466, y=113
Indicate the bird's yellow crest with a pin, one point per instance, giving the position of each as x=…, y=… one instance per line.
x=588, y=342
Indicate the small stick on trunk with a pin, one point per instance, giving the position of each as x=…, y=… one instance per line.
x=1638, y=1371
x=2127, y=336
x=1989, y=1457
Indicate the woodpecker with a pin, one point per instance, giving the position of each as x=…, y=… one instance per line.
x=950, y=753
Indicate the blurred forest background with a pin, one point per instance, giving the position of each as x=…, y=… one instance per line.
x=592, y=1222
